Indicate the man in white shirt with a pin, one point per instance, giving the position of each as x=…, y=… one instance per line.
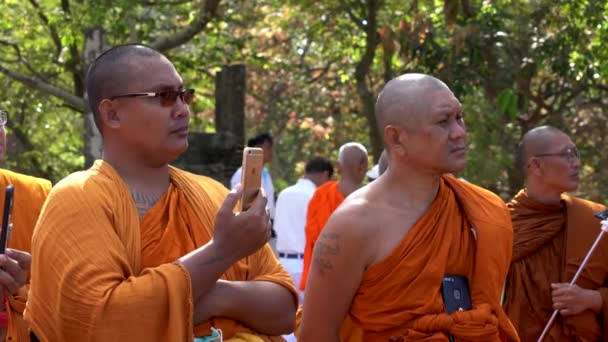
x=265, y=142
x=290, y=216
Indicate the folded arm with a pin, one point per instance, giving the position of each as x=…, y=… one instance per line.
x=265, y=307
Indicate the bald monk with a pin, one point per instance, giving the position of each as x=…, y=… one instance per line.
x=379, y=263
x=29, y=196
x=552, y=234
x=352, y=166
x=133, y=249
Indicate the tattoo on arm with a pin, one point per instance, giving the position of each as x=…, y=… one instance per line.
x=326, y=246
x=143, y=201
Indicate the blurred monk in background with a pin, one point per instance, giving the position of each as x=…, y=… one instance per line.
x=552, y=234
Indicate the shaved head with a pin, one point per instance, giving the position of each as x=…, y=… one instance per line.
x=110, y=73
x=352, y=158
x=351, y=153
x=404, y=98
x=535, y=141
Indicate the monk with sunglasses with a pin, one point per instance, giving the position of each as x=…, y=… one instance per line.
x=553, y=232
x=133, y=249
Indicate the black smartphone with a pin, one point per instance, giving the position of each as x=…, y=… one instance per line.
x=6, y=218
x=602, y=215
x=456, y=296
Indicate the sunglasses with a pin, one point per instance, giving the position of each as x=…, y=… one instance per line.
x=167, y=97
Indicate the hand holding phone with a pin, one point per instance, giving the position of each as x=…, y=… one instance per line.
x=6, y=218
x=251, y=176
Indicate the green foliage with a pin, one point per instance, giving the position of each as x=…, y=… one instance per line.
x=513, y=64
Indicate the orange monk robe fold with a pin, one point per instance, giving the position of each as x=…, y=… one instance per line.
x=29, y=196
x=550, y=241
x=467, y=231
x=326, y=199
x=98, y=275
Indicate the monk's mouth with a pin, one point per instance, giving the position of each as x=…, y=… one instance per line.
x=459, y=150
x=180, y=131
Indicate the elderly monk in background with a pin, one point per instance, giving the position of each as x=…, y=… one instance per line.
x=136, y=250
x=379, y=264
x=352, y=166
x=29, y=196
x=552, y=234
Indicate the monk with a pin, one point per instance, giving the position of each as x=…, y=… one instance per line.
x=553, y=232
x=133, y=249
x=352, y=166
x=379, y=264
x=29, y=196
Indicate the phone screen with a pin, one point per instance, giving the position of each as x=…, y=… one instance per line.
x=6, y=218
x=251, y=177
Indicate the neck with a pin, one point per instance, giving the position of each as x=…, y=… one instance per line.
x=137, y=175
x=347, y=186
x=406, y=186
x=542, y=193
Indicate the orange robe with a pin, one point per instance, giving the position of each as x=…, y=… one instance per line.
x=550, y=241
x=466, y=231
x=29, y=196
x=98, y=274
x=326, y=199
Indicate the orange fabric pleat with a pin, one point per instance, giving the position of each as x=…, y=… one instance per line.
x=326, y=199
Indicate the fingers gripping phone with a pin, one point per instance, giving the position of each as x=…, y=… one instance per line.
x=251, y=176
x=6, y=218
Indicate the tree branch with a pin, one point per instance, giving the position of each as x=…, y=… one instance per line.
x=52, y=28
x=71, y=100
x=204, y=16
x=358, y=21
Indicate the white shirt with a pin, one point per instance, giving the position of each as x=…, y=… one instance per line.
x=290, y=218
x=266, y=185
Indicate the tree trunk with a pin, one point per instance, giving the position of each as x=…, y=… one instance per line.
x=93, y=145
x=362, y=69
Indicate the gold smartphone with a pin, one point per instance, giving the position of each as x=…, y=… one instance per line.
x=251, y=176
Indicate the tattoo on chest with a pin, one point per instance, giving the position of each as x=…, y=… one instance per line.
x=144, y=201
x=327, y=245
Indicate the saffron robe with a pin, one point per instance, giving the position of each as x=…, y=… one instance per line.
x=29, y=196
x=466, y=231
x=326, y=199
x=550, y=242
x=98, y=275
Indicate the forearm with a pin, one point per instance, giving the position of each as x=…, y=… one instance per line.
x=263, y=306
x=205, y=266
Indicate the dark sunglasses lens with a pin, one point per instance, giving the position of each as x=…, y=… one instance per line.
x=188, y=96
x=167, y=98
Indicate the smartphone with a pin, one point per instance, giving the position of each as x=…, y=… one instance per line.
x=251, y=176
x=6, y=218
x=602, y=215
x=456, y=296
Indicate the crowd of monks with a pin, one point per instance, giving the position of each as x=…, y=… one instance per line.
x=133, y=249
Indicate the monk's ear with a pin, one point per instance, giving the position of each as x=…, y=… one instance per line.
x=533, y=166
x=108, y=112
x=394, y=137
